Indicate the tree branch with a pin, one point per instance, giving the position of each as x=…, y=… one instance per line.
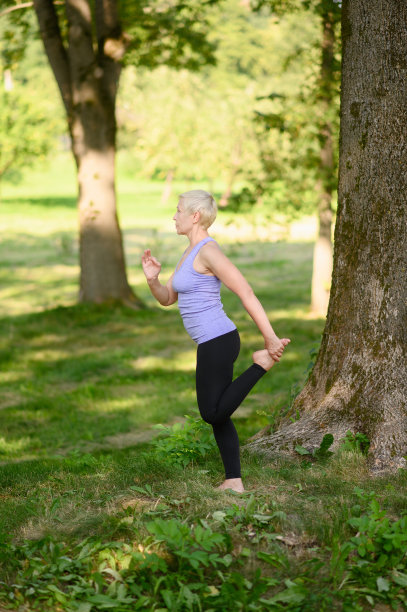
x=55, y=50
x=17, y=7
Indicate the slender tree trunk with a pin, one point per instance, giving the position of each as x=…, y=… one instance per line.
x=359, y=381
x=87, y=72
x=224, y=199
x=234, y=170
x=167, y=186
x=322, y=266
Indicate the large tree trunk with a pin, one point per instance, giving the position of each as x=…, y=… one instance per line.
x=322, y=264
x=359, y=381
x=87, y=73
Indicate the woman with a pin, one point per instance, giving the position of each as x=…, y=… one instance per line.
x=196, y=285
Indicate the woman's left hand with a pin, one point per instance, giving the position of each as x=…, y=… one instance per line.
x=276, y=347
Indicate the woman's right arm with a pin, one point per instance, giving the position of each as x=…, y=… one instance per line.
x=164, y=294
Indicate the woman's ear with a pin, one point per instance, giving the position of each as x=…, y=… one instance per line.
x=197, y=216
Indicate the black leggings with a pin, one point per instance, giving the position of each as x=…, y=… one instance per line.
x=219, y=395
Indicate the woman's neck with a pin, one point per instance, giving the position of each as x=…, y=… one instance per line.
x=197, y=234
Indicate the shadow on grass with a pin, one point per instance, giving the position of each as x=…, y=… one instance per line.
x=50, y=201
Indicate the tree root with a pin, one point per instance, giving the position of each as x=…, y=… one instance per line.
x=309, y=431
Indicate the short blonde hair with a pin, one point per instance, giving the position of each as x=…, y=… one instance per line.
x=202, y=201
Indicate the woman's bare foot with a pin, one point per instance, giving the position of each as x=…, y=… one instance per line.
x=235, y=484
x=263, y=359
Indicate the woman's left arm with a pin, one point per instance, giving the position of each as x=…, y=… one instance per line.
x=216, y=262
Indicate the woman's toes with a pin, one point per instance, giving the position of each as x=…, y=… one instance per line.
x=263, y=359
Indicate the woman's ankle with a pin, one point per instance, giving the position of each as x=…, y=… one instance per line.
x=263, y=359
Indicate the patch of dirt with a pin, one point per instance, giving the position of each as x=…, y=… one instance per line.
x=131, y=438
x=10, y=399
x=125, y=440
x=243, y=412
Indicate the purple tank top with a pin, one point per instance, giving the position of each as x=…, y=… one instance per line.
x=199, y=300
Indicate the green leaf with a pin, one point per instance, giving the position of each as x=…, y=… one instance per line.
x=218, y=515
x=400, y=578
x=84, y=606
x=271, y=559
x=322, y=451
x=292, y=595
x=301, y=450
x=263, y=518
x=103, y=602
x=382, y=584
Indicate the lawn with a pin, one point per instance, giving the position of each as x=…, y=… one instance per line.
x=95, y=514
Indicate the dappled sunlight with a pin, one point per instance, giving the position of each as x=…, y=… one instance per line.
x=184, y=362
x=38, y=288
x=293, y=313
x=114, y=404
x=13, y=446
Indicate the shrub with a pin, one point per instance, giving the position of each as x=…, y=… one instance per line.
x=184, y=443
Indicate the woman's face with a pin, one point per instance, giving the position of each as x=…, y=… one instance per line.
x=183, y=220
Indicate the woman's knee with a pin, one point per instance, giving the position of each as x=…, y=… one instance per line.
x=208, y=419
x=207, y=414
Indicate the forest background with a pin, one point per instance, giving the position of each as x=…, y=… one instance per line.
x=221, y=124
x=85, y=491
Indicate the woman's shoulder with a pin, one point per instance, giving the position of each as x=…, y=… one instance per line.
x=211, y=251
x=211, y=246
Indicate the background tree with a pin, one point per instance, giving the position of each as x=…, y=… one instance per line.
x=21, y=114
x=207, y=131
x=359, y=381
x=326, y=95
x=86, y=46
x=310, y=121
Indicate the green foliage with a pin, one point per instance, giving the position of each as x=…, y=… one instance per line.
x=320, y=453
x=193, y=548
x=356, y=442
x=184, y=443
x=27, y=134
x=374, y=561
x=257, y=516
x=208, y=131
x=352, y=442
x=175, y=564
x=290, y=125
x=174, y=33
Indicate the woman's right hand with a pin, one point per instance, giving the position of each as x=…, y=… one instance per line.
x=151, y=267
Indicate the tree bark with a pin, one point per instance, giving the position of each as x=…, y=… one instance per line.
x=322, y=262
x=87, y=73
x=359, y=381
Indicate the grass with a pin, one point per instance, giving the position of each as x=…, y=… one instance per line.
x=83, y=386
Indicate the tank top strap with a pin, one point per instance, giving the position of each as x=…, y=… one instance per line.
x=197, y=248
